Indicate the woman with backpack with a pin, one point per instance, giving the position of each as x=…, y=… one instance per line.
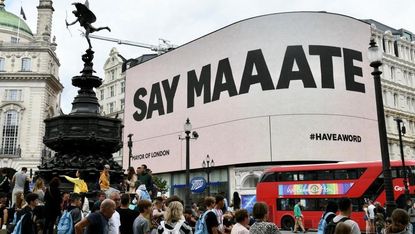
x=328, y=215
x=174, y=222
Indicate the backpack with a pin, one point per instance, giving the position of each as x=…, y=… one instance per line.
x=65, y=225
x=201, y=227
x=175, y=230
x=332, y=225
x=325, y=219
x=18, y=228
x=144, y=195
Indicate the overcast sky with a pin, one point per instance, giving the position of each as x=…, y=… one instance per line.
x=181, y=21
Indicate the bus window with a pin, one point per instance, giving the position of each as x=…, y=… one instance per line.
x=374, y=190
x=286, y=176
x=269, y=177
x=309, y=175
x=411, y=171
x=325, y=175
x=285, y=204
x=340, y=175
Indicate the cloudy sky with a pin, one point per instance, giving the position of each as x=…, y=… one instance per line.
x=181, y=21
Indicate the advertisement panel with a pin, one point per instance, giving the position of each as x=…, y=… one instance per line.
x=280, y=87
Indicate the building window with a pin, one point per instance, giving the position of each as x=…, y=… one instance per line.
x=13, y=95
x=111, y=107
x=2, y=62
x=408, y=103
x=122, y=87
x=112, y=74
x=10, y=133
x=250, y=181
x=26, y=64
x=112, y=91
x=102, y=94
x=122, y=103
x=393, y=73
x=14, y=40
x=395, y=100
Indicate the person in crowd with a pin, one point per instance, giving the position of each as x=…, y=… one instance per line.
x=65, y=201
x=79, y=183
x=145, y=178
x=379, y=223
x=4, y=182
x=298, y=217
x=342, y=228
x=104, y=178
x=141, y=224
x=19, y=179
x=219, y=203
x=400, y=222
x=53, y=207
x=171, y=199
x=20, y=201
x=190, y=218
x=345, y=207
x=261, y=226
x=228, y=221
x=97, y=222
x=142, y=193
x=97, y=204
x=114, y=222
x=242, y=222
x=127, y=216
x=328, y=215
x=225, y=202
x=75, y=207
x=212, y=223
x=39, y=189
x=4, y=213
x=388, y=223
x=371, y=214
x=195, y=210
x=158, y=212
x=380, y=209
x=174, y=219
x=27, y=214
x=411, y=212
x=236, y=201
x=131, y=180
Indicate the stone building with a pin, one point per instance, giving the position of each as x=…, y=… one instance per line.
x=30, y=89
x=112, y=91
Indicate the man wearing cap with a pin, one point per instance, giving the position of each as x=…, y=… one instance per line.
x=104, y=179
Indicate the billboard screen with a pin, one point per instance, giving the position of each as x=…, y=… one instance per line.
x=280, y=87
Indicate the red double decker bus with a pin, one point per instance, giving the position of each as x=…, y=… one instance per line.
x=314, y=185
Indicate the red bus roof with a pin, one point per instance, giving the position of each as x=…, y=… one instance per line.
x=339, y=165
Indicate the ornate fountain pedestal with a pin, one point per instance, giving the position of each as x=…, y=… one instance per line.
x=83, y=140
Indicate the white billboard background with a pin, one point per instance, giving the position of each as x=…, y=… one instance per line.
x=259, y=126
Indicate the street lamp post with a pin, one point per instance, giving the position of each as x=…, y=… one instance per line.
x=402, y=131
x=130, y=151
x=208, y=164
x=194, y=135
x=375, y=57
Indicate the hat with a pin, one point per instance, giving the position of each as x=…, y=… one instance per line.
x=107, y=166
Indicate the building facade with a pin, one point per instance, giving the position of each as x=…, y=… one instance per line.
x=398, y=84
x=111, y=94
x=30, y=89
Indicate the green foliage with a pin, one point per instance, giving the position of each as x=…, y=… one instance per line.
x=161, y=184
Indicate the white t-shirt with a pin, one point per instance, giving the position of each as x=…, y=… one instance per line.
x=239, y=229
x=371, y=211
x=114, y=223
x=351, y=223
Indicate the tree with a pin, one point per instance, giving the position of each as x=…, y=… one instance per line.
x=161, y=184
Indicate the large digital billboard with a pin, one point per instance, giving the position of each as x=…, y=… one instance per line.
x=280, y=87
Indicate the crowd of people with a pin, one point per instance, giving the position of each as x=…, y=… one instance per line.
x=137, y=209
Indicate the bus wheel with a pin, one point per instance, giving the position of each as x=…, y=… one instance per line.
x=287, y=223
